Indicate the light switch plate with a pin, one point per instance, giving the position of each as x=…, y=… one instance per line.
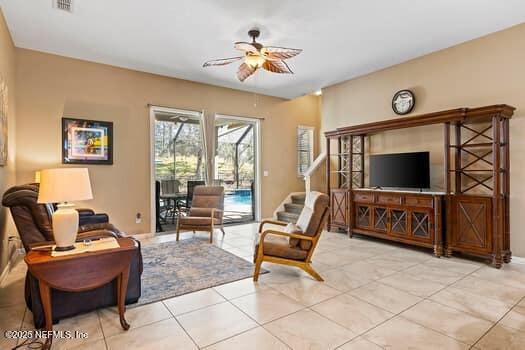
x=265, y=173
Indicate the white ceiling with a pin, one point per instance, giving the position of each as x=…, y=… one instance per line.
x=341, y=39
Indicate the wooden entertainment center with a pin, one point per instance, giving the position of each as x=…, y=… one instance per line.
x=470, y=216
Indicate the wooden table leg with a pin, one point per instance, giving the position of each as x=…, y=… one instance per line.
x=45, y=296
x=122, y=287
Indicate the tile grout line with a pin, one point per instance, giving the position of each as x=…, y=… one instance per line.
x=180, y=325
x=497, y=322
x=399, y=313
x=102, y=330
x=262, y=325
x=236, y=334
x=309, y=307
x=427, y=298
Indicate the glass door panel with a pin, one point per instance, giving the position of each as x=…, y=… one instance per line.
x=235, y=164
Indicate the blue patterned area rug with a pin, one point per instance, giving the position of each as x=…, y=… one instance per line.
x=175, y=268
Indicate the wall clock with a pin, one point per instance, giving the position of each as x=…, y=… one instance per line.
x=403, y=102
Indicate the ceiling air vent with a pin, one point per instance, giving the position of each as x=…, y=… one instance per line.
x=66, y=5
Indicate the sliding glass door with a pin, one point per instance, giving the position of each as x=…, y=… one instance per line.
x=235, y=166
x=179, y=163
x=188, y=150
x=179, y=154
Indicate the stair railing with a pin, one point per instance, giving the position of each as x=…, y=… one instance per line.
x=308, y=173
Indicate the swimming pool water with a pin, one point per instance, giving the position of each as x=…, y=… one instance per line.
x=238, y=198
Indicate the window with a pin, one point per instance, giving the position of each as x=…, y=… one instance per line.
x=305, y=148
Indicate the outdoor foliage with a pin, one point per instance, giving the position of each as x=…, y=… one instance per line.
x=185, y=161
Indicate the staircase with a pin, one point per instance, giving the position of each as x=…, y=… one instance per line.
x=292, y=210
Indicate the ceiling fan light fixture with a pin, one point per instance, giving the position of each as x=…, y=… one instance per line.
x=256, y=55
x=254, y=61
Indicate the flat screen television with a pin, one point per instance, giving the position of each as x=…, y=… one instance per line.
x=405, y=170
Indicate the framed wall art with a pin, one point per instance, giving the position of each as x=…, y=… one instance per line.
x=87, y=141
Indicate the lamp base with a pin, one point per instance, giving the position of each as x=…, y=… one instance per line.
x=64, y=249
x=65, y=226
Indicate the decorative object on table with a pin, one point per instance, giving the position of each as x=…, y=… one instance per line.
x=87, y=141
x=403, y=102
x=302, y=238
x=33, y=223
x=189, y=265
x=206, y=212
x=256, y=55
x=3, y=121
x=62, y=186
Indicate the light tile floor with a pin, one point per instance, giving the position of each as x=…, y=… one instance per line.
x=376, y=295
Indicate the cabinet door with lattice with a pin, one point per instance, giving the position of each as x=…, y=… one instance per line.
x=399, y=222
x=380, y=218
x=339, y=208
x=363, y=216
x=421, y=225
x=470, y=226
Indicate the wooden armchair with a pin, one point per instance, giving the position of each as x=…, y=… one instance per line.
x=302, y=237
x=206, y=211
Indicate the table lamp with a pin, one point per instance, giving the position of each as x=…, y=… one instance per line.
x=62, y=186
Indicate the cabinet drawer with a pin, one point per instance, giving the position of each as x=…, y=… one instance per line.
x=364, y=197
x=389, y=199
x=416, y=201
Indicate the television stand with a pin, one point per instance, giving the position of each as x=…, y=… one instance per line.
x=477, y=206
x=409, y=217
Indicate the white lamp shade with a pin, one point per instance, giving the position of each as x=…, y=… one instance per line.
x=64, y=185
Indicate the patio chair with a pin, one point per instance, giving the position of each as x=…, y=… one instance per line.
x=168, y=194
x=206, y=211
x=298, y=249
x=185, y=204
x=169, y=187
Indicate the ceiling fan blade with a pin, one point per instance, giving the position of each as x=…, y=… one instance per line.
x=221, y=62
x=280, y=53
x=277, y=67
x=245, y=71
x=244, y=46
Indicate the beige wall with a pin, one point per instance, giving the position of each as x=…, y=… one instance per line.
x=50, y=87
x=7, y=172
x=484, y=71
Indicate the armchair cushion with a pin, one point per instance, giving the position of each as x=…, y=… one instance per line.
x=96, y=234
x=198, y=221
x=310, y=218
x=205, y=212
x=85, y=211
x=281, y=250
x=87, y=219
x=98, y=226
x=293, y=228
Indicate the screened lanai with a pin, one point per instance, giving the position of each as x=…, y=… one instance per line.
x=235, y=167
x=181, y=162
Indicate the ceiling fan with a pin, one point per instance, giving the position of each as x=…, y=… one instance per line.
x=256, y=55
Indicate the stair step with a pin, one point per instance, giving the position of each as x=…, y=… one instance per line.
x=298, y=198
x=293, y=208
x=287, y=217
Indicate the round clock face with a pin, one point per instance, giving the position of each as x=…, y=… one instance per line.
x=403, y=102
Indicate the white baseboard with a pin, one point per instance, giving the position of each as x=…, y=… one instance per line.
x=16, y=253
x=518, y=260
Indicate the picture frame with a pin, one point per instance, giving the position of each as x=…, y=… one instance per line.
x=87, y=141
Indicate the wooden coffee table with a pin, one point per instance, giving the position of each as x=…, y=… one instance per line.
x=82, y=272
